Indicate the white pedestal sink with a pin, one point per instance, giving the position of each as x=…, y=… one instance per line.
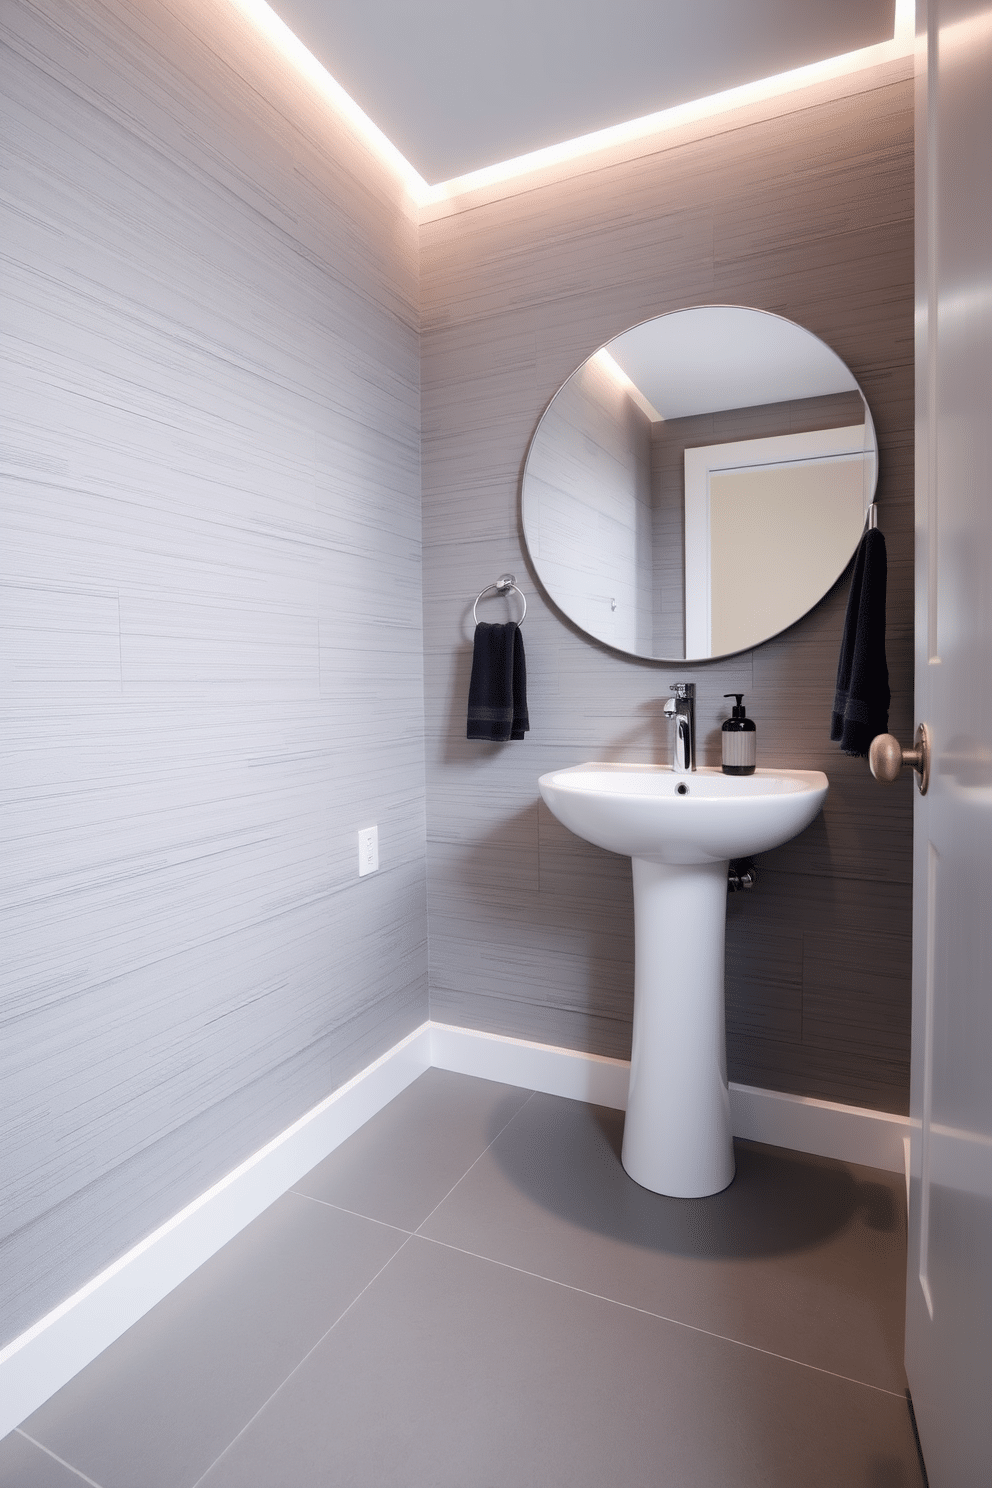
x=681, y=832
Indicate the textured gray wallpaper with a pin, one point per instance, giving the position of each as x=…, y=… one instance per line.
x=808, y=214
x=210, y=581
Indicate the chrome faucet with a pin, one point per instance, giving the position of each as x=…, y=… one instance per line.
x=682, y=708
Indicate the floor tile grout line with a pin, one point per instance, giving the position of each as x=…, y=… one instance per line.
x=476, y=1160
x=485, y=1259
x=60, y=1460
x=409, y=1236
x=300, y=1362
x=355, y=1213
x=328, y=1203
x=661, y=1317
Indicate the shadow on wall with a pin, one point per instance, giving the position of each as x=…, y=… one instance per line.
x=779, y=1202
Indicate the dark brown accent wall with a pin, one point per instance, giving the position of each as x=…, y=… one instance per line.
x=805, y=213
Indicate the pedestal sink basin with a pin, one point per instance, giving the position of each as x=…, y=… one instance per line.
x=681, y=832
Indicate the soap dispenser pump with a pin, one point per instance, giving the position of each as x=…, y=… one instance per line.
x=739, y=738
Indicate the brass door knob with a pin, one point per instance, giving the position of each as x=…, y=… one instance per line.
x=886, y=757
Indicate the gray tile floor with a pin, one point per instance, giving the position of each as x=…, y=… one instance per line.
x=471, y=1293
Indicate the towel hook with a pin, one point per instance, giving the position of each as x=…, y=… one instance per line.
x=506, y=584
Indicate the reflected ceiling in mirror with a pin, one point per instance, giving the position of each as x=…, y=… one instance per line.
x=699, y=483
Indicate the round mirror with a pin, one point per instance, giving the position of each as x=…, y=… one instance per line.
x=699, y=483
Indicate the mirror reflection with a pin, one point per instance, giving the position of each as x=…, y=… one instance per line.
x=699, y=483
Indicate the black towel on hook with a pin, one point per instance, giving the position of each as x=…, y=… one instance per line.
x=861, y=701
x=497, y=693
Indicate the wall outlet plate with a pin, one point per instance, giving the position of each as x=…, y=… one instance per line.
x=368, y=850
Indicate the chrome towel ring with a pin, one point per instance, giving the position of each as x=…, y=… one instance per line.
x=506, y=584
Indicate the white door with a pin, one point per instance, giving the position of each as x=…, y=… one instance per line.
x=949, y=1285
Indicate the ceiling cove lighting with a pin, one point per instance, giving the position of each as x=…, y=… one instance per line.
x=433, y=199
x=618, y=376
x=287, y=43
x=901, y=45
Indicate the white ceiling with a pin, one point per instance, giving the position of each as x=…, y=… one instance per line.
x=457, y=85
x=714, y=357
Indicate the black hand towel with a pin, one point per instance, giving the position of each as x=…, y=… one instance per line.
x=497, y=693
x=861, y=702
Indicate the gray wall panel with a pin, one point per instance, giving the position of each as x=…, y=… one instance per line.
x=808, y=214
x=211, y=650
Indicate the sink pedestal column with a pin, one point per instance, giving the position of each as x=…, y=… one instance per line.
x=677, y=1137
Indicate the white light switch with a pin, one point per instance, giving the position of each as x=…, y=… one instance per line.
x=368, y=850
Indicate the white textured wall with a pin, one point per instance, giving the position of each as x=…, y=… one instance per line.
x=211, y=643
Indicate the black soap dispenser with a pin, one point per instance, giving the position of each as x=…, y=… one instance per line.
x=739, y=738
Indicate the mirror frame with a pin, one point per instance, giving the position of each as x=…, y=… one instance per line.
x=687, y=660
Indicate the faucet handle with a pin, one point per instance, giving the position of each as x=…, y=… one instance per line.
x=683, y=689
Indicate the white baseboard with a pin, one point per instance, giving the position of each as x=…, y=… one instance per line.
x=47, y=1355
x=824, y=1128
x=491, y=1056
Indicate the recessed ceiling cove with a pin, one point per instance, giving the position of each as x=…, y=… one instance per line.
x=457, y=85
